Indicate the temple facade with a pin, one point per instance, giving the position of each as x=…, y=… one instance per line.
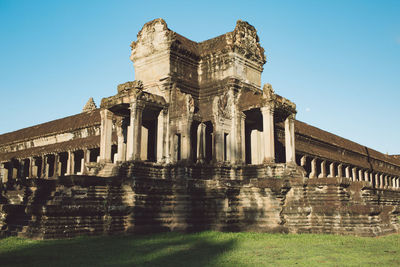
x=199, y=107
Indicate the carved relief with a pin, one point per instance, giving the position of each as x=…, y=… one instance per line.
x=223, y=104
x=154, y=36
x=244, y=40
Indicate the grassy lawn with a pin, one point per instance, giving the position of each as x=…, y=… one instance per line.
x=203, y=249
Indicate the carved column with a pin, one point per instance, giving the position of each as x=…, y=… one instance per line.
x=218, y=145
x=160, y=136
x=289, y=139
x=162, y=122
x=381, y=181
x=331, y=170
x=105, y=135
x=303, y=161
x=68, y=171
x=347, y=172
x=313, y=173
x=4, y=172
x=56, y=164
x=366, y=176
x=268, y=134
x=360, y=175
x=121, y=153
x=339, y=170
x=377, y=180
x=43, y=172
x=137, y=130
x=30, y=170
x=166, y=136
x=242, y=137
x=354, y=174
x=185, y=141
x=201, y=142
x=323, y=170
x=130, y=132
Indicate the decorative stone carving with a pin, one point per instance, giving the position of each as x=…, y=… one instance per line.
x=189, y=104
x=268, y=91
x=154, y=36
x=244, y=40
x=129, y=86
x=222, y=105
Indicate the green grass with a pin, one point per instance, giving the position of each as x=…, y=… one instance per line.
x=203, y=249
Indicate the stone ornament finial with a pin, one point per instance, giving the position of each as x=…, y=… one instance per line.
x=89, y=106
x=268, y=91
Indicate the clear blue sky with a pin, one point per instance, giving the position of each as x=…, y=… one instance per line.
x=339, y=61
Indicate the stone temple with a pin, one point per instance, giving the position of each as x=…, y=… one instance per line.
x=196, y=142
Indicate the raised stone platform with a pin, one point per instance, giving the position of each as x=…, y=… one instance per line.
x=222, y=198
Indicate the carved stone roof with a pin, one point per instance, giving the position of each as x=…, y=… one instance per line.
x=242, y=40
x=66, y=124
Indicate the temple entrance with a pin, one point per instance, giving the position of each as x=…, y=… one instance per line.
x=148, y=148
x=254, y=141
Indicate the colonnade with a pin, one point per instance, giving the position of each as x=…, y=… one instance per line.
x=48, y=165
x=319, y=168
x=227, y=137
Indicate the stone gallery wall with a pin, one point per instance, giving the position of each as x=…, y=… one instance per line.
x=84, y=205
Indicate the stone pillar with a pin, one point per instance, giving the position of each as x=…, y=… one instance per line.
x=331, y=170
x=84, y=160
x=56, y=164
x=360, y=175
x=21, y=169
x=121, y=153
x=354, y=174
x=160, y=136
x=366, y=176
x=218, y=154
x=30, y=170
x=43, y=171
x=313, y=173
x=323, y=170
x=347, y=172
x=185, y=141
x=289, y=140
x=68, y=171
x=14, y=169
x=385, y=181
x=377, y=180
x=243, y=136
x=4, y=172
x=166, y=137
x=137, y=130
x=381, y=181
x=339, y=170
x=201, y=142
x=129, y=135
x=105, y=135
x=303, y=161
x=268, y=135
